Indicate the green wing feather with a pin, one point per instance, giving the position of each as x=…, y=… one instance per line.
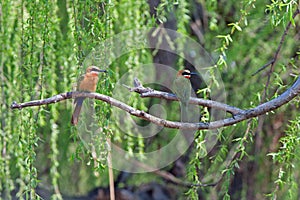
x=182, y=89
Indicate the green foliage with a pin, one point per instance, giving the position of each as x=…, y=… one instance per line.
x=281, y=11
x=164, y=9
x=226, y=40
x=44, y=48
x=287, y=158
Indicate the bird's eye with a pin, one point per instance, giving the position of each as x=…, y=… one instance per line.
x=186, y=73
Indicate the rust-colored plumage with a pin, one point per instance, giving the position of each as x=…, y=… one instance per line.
x=87, y=84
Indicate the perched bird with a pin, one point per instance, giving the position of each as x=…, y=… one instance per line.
x=182, y=88
x=87, y=84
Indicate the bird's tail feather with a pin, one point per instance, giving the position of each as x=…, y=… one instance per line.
x=77, y=110
x=185, y=118
x=184, y=112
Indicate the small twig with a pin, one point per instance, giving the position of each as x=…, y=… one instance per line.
x=263, y=67
x=237, y=153
x=284, y=98
x=272, y=62
x=277, y=53
x=170, y=177
x=166, y=175
x=111, y=175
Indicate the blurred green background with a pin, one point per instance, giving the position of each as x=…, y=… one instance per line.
x=42, y=51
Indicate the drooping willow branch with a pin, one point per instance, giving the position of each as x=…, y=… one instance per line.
x=238, y=115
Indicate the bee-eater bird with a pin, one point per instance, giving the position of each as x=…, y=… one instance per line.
x=87, y=84
x=182, y=88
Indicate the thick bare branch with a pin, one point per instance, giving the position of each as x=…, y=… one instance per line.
x=284, y=98
x=149, y=92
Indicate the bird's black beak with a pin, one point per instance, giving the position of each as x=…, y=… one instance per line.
x=194, y=73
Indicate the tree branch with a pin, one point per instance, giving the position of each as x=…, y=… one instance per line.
x=239, y=115
x=277, y=53
x=149, y=92
x=274, y=59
